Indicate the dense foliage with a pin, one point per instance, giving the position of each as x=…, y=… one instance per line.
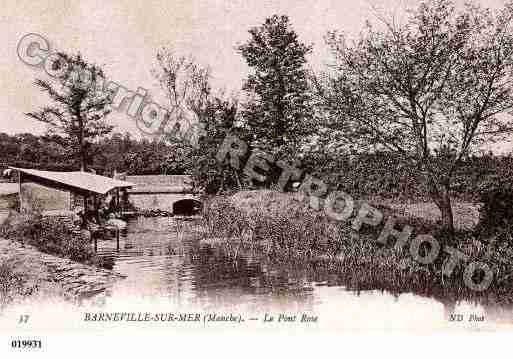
x=430, y=90
x=289, y=232
x=496, y=212
x=278, y=113
x=120, y=152
x=49, y=236
x=369, y=174
x=362, y=176
x=401, y=116
x=19, y=279
x=79, y=104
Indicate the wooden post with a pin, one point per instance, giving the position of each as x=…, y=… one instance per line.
x=19, y=191
x=117, y=239
x=95, y=244
x=96, y=205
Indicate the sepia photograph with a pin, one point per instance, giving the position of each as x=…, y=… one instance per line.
x=307, y=167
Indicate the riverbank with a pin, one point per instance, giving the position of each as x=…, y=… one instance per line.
x=288, y=231
x=27, y=272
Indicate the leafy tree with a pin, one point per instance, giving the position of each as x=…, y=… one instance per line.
x=220, y=122
x=193, y=106
x=28, y=150
x=186, y=85
x=79, y=107
x=9, y=148
x=429, y=91
x=278, y=112
x=111, y=153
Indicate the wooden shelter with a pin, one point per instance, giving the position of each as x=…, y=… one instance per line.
x=65, y=191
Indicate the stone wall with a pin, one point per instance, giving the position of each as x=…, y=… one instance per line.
x=160, y=180
x=36, y=196
x=7, y=201
x=161, y=201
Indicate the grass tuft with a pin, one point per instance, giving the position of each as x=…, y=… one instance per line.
x=288, y=231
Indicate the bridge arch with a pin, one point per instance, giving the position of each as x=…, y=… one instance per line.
x=169, y=193
x=187, y=207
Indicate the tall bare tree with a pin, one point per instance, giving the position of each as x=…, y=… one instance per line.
x=193, y=103
x=429, y=90
x=186, y=86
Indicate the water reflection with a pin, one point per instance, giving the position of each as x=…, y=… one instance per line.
x=163, y=261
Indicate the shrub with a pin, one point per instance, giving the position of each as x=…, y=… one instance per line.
x=496, y=213
x=221, y=218
x=290, y=233
x=49, y=236
x=285, y=229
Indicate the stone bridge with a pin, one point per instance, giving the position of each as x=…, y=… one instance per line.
x=173, y=194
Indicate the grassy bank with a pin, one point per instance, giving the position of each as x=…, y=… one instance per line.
x=21, y=278
x=49, y=235
x=23, y=275
x=286, y=230
x=45, y=257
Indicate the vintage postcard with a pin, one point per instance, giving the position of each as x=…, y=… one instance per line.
x=308, y=167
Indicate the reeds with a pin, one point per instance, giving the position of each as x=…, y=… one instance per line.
x=287, y=231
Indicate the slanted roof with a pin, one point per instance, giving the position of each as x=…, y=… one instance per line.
x=81, y=180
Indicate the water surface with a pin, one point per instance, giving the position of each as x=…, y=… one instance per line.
x=163, y=262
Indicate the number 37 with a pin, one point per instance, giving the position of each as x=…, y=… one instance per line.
x=24, y=318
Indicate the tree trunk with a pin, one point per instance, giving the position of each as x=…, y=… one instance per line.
x=82, y=162
x=439, y=191
x=221, y=186
x=238, y=180
x=82, y=146
x=443, y=201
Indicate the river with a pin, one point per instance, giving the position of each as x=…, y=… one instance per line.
x=165, y=266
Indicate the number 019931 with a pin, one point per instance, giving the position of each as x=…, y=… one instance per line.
x=26, y=344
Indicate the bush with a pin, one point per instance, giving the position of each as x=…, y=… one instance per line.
x=496, y=213
x=50, y=236
x=291, y=233
x=285, y=229
x=222, y=219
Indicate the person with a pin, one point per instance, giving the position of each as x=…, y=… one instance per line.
x=79, y=217
x=7, y=173
x=112, y=205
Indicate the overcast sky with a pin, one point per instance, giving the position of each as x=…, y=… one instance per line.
x=124, y=36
